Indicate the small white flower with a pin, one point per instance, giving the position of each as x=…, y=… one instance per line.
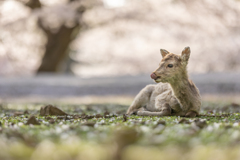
x=102, y=121
x=191, y=120
x=45, y=122
x=20, y=124
x=147, y=122
x=176, y=120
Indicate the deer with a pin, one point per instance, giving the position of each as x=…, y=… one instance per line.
x=174, y=94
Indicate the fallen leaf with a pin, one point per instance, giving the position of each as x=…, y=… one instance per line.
x=51, y=110
x=124, y=118
x=98, y=116
x=227, y=126
x=192, y=132
x=32, y=120
x=67, y=118
x=84, y=116
x=18, y=114
x=184, y=121
x=107, y=116
x=76, y=117
x=51, y=121
x=235, y=105
x=26, y=112
x=106, y=113
x=89, y=108
x=48, y=118
x=61, y=117
x=161, y=122
x=90, y=124
x=200, y=123
x=210, y=112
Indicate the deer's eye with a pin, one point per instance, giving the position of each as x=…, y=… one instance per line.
x=170, y=65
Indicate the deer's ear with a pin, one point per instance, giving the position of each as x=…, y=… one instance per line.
x=164, y=52
x=185, y=54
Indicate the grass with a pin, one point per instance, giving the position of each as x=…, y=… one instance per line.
x=114, y=136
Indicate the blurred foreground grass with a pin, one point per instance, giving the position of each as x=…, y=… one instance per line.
x=101, y=131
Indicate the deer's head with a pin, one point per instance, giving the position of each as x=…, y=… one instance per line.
x=172, y=66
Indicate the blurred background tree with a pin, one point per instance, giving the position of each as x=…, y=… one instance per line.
x=58, y=39
x=98, y=37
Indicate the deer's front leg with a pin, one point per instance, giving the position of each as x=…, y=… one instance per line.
x=164, y=111
x=141, y=99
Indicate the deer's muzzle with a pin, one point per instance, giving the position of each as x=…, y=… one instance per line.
x=154, y=76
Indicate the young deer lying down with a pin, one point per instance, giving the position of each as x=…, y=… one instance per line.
x=174, y=94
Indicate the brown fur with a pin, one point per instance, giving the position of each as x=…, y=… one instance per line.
x=174, y=94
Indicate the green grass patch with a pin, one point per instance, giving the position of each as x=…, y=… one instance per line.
x=101, y=131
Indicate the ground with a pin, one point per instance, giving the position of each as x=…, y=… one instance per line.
x=102, y=131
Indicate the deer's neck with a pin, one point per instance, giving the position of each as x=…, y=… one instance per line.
x=184, y=90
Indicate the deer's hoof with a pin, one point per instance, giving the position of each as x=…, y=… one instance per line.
x=191, y=114
x=134, y=113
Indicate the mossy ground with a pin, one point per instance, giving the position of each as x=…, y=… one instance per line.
x=77, y=136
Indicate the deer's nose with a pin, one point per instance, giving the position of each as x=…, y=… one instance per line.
x=153, y=76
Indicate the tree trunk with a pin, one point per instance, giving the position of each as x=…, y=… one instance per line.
x=57, y=48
